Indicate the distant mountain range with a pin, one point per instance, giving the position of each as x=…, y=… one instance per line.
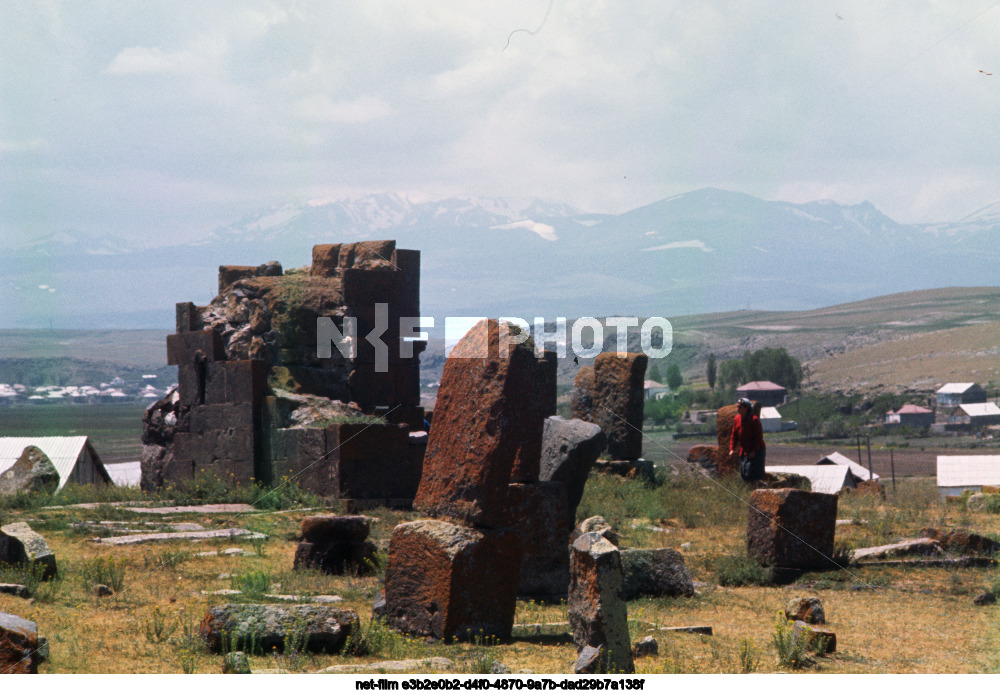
x=703, y=251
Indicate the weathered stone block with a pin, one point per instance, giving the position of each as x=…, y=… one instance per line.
x=618, y=402
x=479, y=426
x=190, y=384
x=791, y=528
x=336, y=529
x=226, y=416
x=539, y=514
x=725, y=464
x=233, y=273
x=186, y=317
x=325, y=258
x=808, y=610
x=654, y=573
x=243, y=380
x=368, y=255
x=19, y=645
x=597, y=614
x=325, y=628
x=569, y=449
x=450, y=581
x=195, y=346
x=19, y=544
x=33, y=472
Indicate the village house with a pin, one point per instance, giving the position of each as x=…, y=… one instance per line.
x=974, y=415
x=960, y=473
x=954, y=394
x=913, y=416
x=654, y=391
x=768, y=394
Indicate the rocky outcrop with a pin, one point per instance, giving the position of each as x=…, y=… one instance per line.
x=33, y=473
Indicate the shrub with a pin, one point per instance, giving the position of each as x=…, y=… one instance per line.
x=106, y=571
x=740, y=570
x=791, y=651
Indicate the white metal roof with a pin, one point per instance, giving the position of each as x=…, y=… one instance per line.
x=980, y=409
x=837, y=458
x=828, y=479
x=769, y=413
x=954, y=388
x=63, y=451
x=125, y=474
x=968, y=470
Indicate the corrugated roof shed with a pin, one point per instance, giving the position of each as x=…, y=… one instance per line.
x=954, y=388
x=63, y=451
x=828, y=479
x=837, y=458
x=769, y=413
x=125, y=474
x=980, y=409
x=968, y=470
x=760, y=385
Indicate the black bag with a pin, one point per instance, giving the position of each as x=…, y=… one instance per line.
x=746, y=472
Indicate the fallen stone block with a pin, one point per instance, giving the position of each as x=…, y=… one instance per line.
x=233, y=533
x=816, y=640
x=32, y=473
x=638, y=469
x=963, y=542
x=432, y=664
x=791, y=528
x=450, y=581
x=924, y=546
x=645, y=648
x=16, y=589
x=323, y=629
x=19, y=544
x=20, y=651
x=654, y=573
x=597, y=613
x=705, y=457
x=808, y=610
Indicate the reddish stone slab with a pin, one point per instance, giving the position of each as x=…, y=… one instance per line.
x=450, y=581
x=618, y=402
x=233, y=273
x=582, y=395
x=325, y=259
x=791, y=528
x=480, y=424
x=726, y=464
x=19, y=653
x=539, y=516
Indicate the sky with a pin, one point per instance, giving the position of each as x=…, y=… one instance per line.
x=151, y=120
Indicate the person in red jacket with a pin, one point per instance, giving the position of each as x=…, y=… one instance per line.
x=748, y=439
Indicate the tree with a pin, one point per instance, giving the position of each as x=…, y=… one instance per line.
x=710, y=371
x=770, y=364
x=654, y=373
x=674, y=378
x=732, y=373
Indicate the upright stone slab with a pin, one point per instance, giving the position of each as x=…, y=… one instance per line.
x=725, y=464
x=479, y=427
x=19, y=646
x=19, y=544
x=450, y=581
x=597, y=614
x=655, y=573
x=33, y=473
x=581, y=399
x=791, y=528
x=336, y=544
x=569, y=449
x=618, y=402
x=539, y=513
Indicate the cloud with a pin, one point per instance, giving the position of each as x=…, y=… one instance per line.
x=139, y=60
x=321, y=108
x=37, y=144
x=700, y=245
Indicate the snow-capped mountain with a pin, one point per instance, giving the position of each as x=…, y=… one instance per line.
x=707, y=250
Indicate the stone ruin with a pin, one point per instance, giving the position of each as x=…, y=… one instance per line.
x=256, y=402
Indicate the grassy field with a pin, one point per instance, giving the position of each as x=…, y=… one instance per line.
x=887, y=619
x=114, y=429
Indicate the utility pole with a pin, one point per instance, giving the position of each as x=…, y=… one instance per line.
x=868, y=443
x=892, y=467
x=859, y=447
